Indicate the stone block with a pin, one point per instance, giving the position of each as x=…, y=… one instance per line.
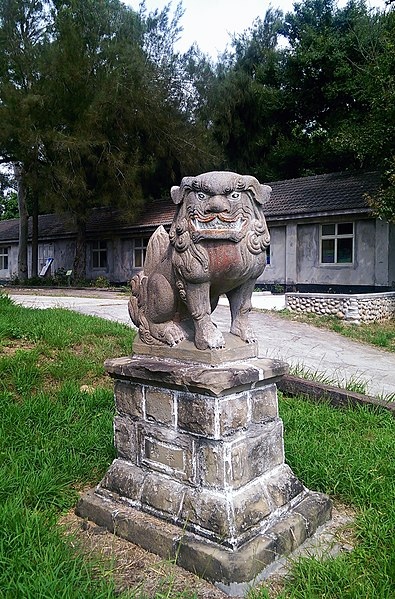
x=226, y=568
x=162, y=494
x=147, y=532
x=256, y=453
x=282, y=486
x=233, y=413
x=159, y=405
x=288, y=533
x=264, y=403
x=125, y=479
x=315, y=509
x=129, y=398
x=91, y=506
x=250, y=507
x=236, y=461
x=207, y=513
x=166, y=450
x=196, y=414
x=125, y=438
x=235, y=350
x=196, y=378
x=211, y=464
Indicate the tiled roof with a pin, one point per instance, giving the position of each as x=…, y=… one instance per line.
x=105, y=220
x=308, y=196
x=319, y=194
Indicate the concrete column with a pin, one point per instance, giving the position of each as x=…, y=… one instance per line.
x=381, y=257
x=291, y=273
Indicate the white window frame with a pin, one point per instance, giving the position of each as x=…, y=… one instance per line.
x=4, y=258
x=336, y=237
x=140, y=249
x=99, y=248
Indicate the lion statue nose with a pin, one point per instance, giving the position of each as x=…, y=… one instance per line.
x=218, y=203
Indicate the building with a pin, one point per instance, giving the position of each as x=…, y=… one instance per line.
x=324, y=237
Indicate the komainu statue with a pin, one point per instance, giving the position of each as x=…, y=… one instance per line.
x=216, y=245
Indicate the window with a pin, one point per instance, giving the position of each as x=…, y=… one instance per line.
x=3, y=258
x=268, y=255
x=337, y=243
x=140, y=250
x=99, y=254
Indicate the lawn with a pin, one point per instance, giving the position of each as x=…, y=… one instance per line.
x=56, y=439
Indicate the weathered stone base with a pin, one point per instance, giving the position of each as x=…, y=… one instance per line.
x=200, y=474
x=233, y=571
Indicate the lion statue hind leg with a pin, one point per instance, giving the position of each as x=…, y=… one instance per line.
x=153, y=302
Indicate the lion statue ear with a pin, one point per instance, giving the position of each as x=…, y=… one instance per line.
x=260, y=193
x=178, y=193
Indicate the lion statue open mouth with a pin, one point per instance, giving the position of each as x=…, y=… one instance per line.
x=216, y=245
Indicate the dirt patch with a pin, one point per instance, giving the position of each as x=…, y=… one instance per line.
x=134, y=568
x=10, y=347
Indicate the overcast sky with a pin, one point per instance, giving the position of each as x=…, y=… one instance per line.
x=209, y=22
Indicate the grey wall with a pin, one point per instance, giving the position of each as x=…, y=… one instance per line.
x=391, y=257
x=294, y=257
x=361, y=272
x=275, y=272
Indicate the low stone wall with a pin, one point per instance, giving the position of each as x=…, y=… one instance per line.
x=364, y=307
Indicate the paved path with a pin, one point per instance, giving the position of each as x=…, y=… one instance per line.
x=299, y=344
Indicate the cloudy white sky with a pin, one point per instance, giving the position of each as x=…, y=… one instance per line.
x=209, y=22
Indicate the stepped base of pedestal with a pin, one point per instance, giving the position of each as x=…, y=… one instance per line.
x=232, y=570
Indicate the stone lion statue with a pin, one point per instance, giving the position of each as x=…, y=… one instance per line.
x=216, y=245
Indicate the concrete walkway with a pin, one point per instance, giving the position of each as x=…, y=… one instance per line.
x=301, y=345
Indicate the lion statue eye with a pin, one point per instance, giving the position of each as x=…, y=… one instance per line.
x=235, y=195
x=201, y=195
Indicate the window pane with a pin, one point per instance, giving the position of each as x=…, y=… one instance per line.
x=3, y=258
x=268, y=254
x=328, y=229
x=103, y=259
x=344, y=250
x=345, y=228
x=140, y=250
x=99, y=254
x=328, y=251
x=138, y=261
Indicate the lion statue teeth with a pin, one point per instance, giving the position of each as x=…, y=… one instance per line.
x=216, y=245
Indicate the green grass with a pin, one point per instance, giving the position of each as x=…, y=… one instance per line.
x=379, y=334
x=354, y=383
x=349, y=455
x=56, y=439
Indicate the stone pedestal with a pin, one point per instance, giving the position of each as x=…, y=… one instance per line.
x=200, y=474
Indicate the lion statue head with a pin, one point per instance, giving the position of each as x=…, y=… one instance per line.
x=220, y=205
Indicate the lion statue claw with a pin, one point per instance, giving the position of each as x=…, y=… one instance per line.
x=216, y=245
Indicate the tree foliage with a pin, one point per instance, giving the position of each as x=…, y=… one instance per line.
x=105, y=123
x=322, y=100
x=97, y=108
x=9, y=206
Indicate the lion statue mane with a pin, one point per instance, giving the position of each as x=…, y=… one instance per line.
x=216, y=245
